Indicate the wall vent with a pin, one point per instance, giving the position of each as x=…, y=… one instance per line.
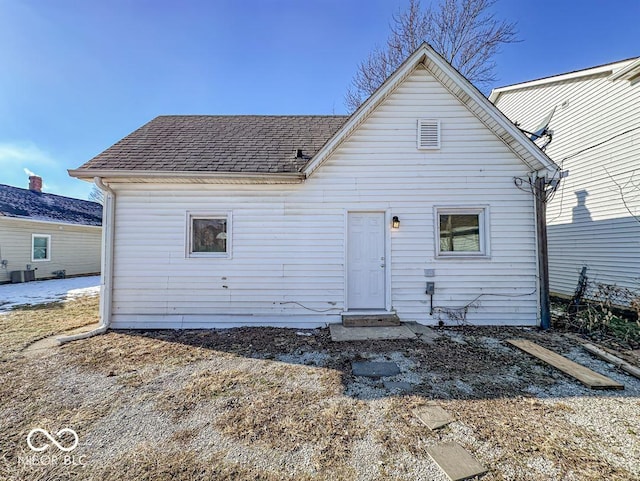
x=428, y=134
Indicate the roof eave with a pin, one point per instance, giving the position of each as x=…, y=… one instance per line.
x=47, y=221
x=617, y=67
x=154, y=176
x=477, y=103
x=628, y=72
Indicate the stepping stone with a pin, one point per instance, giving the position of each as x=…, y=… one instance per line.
x=424, y=333
x=375, y=369
x=433, y=416
x=455, y=461
x=398, y=386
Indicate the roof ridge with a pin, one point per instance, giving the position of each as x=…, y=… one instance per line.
x=49, y=193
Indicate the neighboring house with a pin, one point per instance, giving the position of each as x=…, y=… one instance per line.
x=47, y=235
x=218, y=221
x=594, y=217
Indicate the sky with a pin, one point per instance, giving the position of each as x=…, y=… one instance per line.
x=78, y=75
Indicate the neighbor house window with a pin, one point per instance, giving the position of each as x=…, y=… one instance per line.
x=461, y=232
x=209, y=235
x=40, y=247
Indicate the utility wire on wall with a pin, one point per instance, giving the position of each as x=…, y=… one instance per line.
x=575, y=154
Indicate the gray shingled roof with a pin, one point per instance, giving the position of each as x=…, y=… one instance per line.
x=24, y=203
x=213, y=143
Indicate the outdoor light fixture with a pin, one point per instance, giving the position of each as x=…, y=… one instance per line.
x=395, y=222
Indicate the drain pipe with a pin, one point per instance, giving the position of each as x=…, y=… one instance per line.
x=106, y=276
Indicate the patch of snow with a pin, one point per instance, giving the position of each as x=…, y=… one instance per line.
x=42, y=292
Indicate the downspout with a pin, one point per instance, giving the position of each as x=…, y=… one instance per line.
x=106, y=274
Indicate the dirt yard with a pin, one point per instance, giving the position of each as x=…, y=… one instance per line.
x=278, y=404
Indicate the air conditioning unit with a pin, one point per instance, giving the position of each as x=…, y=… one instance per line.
x=23, y=276
x=17, y=276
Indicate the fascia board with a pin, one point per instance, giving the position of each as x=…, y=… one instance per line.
x=203, y=177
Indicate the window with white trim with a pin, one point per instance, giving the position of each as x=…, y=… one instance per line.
x=461, y=232
x=428, y=134
x=40, y=247
x=208, y=235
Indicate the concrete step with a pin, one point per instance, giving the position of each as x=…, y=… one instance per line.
x=341, y=333
x=370, y=320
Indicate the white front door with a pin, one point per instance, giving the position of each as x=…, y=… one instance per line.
x=366, y=265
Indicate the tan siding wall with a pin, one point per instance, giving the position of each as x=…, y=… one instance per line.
x=600, y=233
x=75, y=249
x=289, y=241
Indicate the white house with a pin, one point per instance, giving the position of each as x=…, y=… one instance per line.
x=218, y=221
x=46, y=235
x=594, y=218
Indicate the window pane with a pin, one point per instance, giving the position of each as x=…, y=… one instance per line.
x=209, y=235
x=459, y=233
x=40, y=247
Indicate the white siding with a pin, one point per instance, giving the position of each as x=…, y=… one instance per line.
x=599, y=232
x=289, y=240
x=75, y=249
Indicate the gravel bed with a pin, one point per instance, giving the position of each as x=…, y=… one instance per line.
x=274, y=404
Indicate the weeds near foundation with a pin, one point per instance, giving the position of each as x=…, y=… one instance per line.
x=602, y=313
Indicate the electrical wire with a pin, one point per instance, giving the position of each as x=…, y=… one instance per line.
x=498, y=295
x=575, y=154
x=463, y=309
x=599, y=143
x=309, y=308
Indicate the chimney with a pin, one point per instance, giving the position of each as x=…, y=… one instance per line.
x=35, y=183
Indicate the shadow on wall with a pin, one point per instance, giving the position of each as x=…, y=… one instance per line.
x=610, y=247
x=580, y=211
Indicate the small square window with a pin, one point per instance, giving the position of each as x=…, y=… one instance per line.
x=40, y=247
x=461, y=232
x=208, y=236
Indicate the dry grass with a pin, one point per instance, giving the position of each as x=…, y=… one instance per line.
x=27, y=324
x=265, y=404
x=522, y=428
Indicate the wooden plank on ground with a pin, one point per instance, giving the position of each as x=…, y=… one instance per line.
x=433, y=416
x=616, y=361
x=585, y=375
x=455, y=461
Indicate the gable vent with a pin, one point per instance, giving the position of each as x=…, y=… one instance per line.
x=428, y=134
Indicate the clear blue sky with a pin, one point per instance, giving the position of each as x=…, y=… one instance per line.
x=78, y=75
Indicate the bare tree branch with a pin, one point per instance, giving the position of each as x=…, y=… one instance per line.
x=464, y=32
x=96, y=195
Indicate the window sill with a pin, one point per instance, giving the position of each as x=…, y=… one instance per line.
x=209, y=256
x=463, y=256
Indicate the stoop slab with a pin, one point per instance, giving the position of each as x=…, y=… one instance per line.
x=341, y=333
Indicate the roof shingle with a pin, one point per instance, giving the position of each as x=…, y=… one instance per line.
x=219, y=143
x=26, y=204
